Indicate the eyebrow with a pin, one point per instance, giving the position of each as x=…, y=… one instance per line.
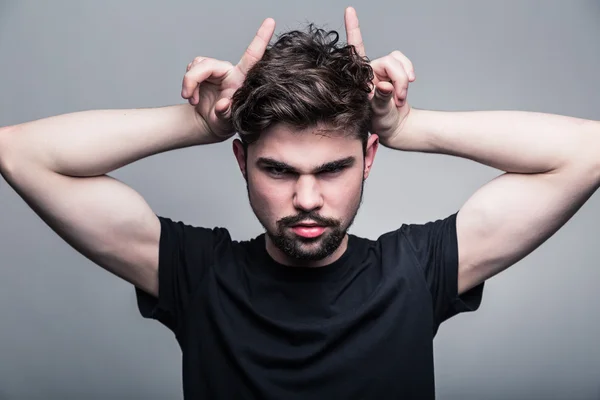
x=328, y=166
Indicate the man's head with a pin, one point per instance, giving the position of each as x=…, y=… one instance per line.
x=303, y=116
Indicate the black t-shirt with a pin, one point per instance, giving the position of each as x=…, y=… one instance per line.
x=359, y=328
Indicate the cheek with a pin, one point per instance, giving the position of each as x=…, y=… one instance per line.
x=272, y=197
x=342, y=196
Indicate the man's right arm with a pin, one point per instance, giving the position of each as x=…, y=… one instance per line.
x=58, y=165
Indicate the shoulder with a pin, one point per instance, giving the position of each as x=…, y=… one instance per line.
x=419, y=234
x=191, y=238
x=189, y=233
x=413, y=243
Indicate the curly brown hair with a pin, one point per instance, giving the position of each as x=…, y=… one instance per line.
x=305, y=79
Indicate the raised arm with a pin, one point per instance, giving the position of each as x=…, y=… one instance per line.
x=58, y=165
x=552, y=165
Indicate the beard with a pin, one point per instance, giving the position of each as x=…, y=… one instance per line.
x=303, y=248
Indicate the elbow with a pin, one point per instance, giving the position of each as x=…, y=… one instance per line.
x=8, y=157
x=594, y=152
x=6, y=134
x=584, y=157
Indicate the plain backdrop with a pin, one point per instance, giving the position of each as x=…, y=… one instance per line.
x=70, y=330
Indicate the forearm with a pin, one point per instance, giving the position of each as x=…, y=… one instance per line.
x=91, y=143
x=512, y=141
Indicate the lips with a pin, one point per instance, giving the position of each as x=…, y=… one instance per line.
x=307, y=224
x=308, y=230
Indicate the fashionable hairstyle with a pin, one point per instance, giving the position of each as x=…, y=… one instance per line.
x=305, y=79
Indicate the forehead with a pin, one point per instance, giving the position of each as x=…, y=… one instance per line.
x=307, y=147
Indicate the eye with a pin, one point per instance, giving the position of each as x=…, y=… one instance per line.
x=332, y=171
x=276, y=171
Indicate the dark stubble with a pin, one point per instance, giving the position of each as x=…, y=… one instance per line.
x=296, y=247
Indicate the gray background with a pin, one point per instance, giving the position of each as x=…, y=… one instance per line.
x=70, y=330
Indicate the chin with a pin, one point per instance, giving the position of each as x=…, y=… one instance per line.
x=308, y=249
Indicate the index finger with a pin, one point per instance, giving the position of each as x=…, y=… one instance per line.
x=353, y=31
x=257, y=47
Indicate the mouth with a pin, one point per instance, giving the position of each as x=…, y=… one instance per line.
x=307, y=223
x=308, y=229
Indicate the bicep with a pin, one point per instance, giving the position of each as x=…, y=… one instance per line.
x=512, y=215
x=100, y=217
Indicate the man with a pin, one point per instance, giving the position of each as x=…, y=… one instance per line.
x=305, y=310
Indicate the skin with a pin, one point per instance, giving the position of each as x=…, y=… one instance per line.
x=59, y=166
x=551, y=165
x=300, y=188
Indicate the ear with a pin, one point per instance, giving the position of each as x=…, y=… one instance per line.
x=371, y=150
x=240, y=156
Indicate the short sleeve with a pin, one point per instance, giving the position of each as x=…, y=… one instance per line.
x=185, y=255
x=435, y=245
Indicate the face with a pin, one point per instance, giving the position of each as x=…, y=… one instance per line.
x=305, y=187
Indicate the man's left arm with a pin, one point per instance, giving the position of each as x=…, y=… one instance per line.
x=552, y=166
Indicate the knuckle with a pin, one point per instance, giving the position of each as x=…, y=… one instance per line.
x=199, y=60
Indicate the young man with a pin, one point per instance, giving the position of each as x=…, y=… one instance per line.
x=305, y=310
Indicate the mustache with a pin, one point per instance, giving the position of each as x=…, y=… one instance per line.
x=311, y=216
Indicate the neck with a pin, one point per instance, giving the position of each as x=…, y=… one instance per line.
x=277, y=255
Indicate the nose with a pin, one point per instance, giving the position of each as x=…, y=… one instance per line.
x=307, y=196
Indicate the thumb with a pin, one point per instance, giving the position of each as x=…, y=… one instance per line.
x=223, y=108
x=382, y=98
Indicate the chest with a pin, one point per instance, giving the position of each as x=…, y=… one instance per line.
x=368, y=334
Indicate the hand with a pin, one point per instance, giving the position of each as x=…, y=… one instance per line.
x=392, y=74
x=209, y=84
